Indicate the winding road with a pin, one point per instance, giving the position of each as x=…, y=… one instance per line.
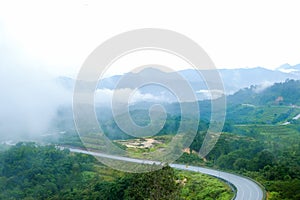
x=246, y=189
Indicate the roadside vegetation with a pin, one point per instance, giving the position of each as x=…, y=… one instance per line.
x=30, y=171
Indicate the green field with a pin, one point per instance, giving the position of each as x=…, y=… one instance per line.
x=249, y=114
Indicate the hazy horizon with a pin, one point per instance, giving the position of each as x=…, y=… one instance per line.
x=56, y=37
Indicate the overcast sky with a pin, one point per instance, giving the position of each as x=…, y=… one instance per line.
x=57, y=36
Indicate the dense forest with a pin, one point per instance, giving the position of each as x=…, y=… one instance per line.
x=31, y=171
x=260, y=139
x=269, y=154
x=285, y=93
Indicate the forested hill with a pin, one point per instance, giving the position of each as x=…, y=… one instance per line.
x=31, y=171
x=285, y=93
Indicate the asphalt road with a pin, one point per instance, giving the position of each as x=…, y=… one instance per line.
x=246, y=189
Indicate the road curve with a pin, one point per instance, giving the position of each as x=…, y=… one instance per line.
x=246, y=189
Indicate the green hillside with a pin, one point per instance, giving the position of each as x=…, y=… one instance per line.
x=251, y=114
x=285, y=93
x=30, y=171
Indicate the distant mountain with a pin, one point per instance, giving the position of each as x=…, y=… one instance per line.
x=233, y=80
x=287, y=68
x=273, y=104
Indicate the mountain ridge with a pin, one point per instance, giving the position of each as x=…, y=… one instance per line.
x=233, y=79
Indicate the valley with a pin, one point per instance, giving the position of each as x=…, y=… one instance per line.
x=260, y=140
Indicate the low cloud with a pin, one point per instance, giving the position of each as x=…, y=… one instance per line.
x=262, y=87
x=29, y=96
x=103, y=97
x=210, y=94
